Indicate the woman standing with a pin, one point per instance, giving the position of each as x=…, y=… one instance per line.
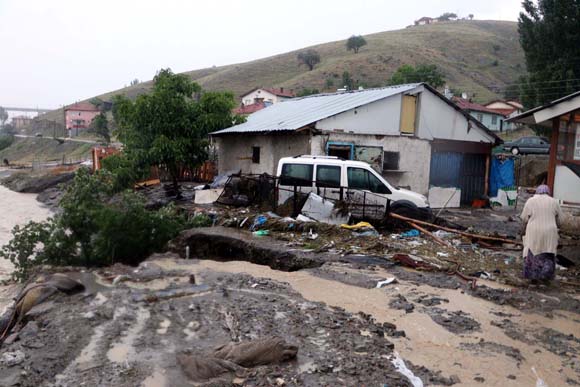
x=541, y=218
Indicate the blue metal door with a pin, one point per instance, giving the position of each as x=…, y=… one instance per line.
x=462, y=170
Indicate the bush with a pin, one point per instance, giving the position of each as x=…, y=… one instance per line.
x=125, y=172
x=5, y=141
x=94, y=228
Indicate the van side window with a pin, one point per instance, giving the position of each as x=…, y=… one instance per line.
x=296, y=174
x=359, y=178
x=328, y=176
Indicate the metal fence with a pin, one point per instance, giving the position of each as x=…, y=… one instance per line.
x=266, y=192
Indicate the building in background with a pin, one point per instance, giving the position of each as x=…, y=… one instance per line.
x=426, y=20
x=494, y=119
x=78, y=117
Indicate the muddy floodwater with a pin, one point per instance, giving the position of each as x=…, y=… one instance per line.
x=16, y=209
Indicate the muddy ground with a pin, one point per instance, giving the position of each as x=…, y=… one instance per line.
x=130, y=324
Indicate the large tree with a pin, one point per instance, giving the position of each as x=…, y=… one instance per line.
x=309, y=57
x=354, y=43
x=169, y=127
x=421, y=73
x=550, y=37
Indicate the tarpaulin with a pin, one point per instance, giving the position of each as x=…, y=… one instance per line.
x=501, y=175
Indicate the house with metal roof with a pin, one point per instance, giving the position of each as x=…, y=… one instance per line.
x=411, y=134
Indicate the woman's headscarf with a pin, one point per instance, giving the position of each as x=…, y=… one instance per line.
x=543, y=190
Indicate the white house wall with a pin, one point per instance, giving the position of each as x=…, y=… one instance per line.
x=438, y=120
x=235, y=151
x=248, y=99
x=380, y=117
x=566, y=185
x=414, y=161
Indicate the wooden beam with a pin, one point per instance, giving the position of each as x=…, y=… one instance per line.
x=553, y=152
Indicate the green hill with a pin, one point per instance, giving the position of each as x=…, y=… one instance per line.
x=479, y=57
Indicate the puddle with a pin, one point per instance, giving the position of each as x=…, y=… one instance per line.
x=121, y=351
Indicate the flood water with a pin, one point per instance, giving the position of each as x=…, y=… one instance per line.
x=16, y=209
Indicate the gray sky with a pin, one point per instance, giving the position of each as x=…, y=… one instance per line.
x=56, y=52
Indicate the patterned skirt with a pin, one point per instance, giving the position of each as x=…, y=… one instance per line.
x=540, y=266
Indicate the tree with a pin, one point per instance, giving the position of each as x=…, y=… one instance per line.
x=354, y=43
x=3, y=116
x=347, y=81
x=549, y=34
x=422, y=73
x=309, y=57
x=100, y=126
x=307, y=91
x=134, y=82
x=470, y=16
x=169, y=127
x=447, y=16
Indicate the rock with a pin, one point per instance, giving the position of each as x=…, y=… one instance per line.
x=512, y=377
x=479, y=379
x=10, y=359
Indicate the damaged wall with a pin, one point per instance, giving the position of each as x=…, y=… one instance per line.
x=235, y=151
x=414, y=161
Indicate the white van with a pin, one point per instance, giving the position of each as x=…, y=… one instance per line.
x=354, y=182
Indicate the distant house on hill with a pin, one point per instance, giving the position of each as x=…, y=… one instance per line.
x=494, y=119
x=78, y=117
x=272, y=95
x=508, y=107
x=426, y=20
x=245, y=110
x=411, y=134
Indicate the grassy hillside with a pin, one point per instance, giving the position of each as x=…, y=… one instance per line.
x=42, y=149
x=480, y=57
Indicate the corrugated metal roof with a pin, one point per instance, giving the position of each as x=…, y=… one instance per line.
x=299, y=112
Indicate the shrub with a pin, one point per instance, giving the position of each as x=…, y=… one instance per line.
x=124, y=170
x=94, y=228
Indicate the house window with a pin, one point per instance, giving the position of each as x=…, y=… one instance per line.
x=296, y=174
x=408, y=114
x=390, y=161
x=494, y=120
x=256, y=154
x=480, y=117
x=341, y=150
x=328, y=176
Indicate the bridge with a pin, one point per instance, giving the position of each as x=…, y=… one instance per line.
x=25, y=109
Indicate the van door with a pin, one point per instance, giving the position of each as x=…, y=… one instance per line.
x=293, y=177
x=366, y=194
x=328, y=178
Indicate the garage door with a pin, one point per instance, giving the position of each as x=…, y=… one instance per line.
x=462, y=170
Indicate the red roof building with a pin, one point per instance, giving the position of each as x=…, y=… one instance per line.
x=245, y=110
x=267, y=95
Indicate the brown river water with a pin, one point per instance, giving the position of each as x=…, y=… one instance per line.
x=16, y=209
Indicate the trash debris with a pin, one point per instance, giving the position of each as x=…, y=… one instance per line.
x=203, y=368
x=9, y=359
x=207, y=196
x=261, y=233
x=322, y=210
x=302, y=218
x=312, y=235
x=400, y=365
x=254, y=353
x=410, y=234
x=361, y=229
x=258, y=222
x=413, y=261
x=388, y=281
x=442, y=254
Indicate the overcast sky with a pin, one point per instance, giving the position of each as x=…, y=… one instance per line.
x=55, y=52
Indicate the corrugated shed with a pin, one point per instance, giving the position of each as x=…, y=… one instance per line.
x=300, y=112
